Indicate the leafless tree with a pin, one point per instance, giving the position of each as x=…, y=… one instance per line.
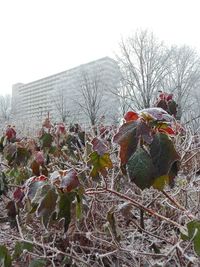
x=91, y=91
x=5, y=107
x=183, y=77
x=60, y=104
x=144, y=64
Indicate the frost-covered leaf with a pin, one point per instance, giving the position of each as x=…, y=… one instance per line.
x=64, y=208
x=141, y=169
x=47, y=206
x=128, y=139
x=156, y=114
x=164, y=156
x=144, y=131
x=99, y=164
x=46, y=140
x=99, y=146
x=69, y=181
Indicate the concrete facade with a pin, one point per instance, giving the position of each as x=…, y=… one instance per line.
x=65, y=91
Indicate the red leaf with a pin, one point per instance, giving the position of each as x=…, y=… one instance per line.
x=169, y=97
x=69, y=181
x=60, y=128
x=39, y=157
x=168, y=130
x=99, y=146
x=128, y=139
x=10, y=133
x=131, y=116
x=18, y=194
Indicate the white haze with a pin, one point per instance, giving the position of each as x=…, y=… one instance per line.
x=43, y=37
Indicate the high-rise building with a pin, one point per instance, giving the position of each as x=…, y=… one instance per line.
x=67, y=95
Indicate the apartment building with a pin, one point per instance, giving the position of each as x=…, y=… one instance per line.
x=65, y=93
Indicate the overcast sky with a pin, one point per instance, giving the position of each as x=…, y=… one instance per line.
x=43, y=37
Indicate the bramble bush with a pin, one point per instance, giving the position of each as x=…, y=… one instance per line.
x=118, y=198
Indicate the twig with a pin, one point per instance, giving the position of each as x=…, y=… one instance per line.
x=178, y=205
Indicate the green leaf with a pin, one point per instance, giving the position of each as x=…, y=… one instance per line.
x=141, y=169
x=164, y=156
x=5, y=258
x=47, y=206
x=193, y=228
x=64, y=208
x=160, y=182
x=22, y=155
x=20, y=246
x=79, y=209
x=99, y=163
x=128, y=139
x=38, y=263
x=46, y=140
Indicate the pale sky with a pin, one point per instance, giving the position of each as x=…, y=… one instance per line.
x=44, y=37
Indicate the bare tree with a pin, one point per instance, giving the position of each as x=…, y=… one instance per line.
x=5, y=107
x=183, y=77
x=90, y=97
x=144, y=64
x=60, y=104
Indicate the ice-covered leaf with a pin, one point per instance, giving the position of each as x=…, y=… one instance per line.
x=69, y=181
x=141, y=169
x=46, y=140
x=99, y=164
x=47, y=206
x=64, y=208
x=144, y=131
x=157, y=114
x=164, y=156
x=10, y=133
x=99, y=146
x=128, y=139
